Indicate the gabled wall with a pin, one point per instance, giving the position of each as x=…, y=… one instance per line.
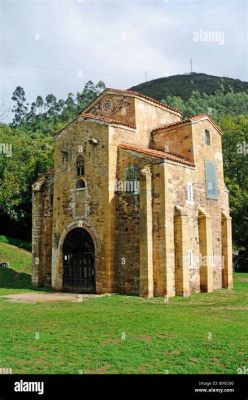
x=122, y=108
x=138, y=112
x=177, y=140
x=149, y=117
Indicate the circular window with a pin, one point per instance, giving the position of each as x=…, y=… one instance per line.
x=106, y=106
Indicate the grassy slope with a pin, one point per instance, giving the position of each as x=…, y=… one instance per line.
x=184, y=85
x=17, y=277
x=160, y=336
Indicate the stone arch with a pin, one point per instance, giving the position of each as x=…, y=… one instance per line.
x=80, y=184
x=57, y=263
x=79, y=262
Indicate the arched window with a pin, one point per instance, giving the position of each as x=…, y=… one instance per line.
x=80, y=184
x=207, y=137
x=80, y=166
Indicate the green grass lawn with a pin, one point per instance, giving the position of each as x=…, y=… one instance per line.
x=205, y=333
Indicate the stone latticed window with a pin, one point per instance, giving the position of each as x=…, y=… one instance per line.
x=80, y=166
x=131, y=183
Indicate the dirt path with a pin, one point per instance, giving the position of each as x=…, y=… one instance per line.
x=49, y=297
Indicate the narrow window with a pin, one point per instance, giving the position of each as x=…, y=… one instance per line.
x=207, y=137
x=190, y=197
x=65, y=155
x=211, y=180
x=80, y=184
x=190, y=252
x=80, y=166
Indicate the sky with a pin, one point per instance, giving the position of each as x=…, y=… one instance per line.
x=56, y=46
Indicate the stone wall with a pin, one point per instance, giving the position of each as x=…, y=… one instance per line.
x=42, y=230
x=120, y=108
x=176, y=140
x=149, y=117
x=93, y=215
x=143, y=242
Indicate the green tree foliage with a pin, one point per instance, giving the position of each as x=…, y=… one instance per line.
x=50, y=115
x=20, y=106
x=216, y=105
x=31, y=156
x=235, y=149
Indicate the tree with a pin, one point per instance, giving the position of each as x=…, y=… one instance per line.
x=89, y=93
x=70, y=108
x=20, y=106
x=235, y=151
x=217, y=105
x=50, y=105
x=39, y=104
x=31, y=156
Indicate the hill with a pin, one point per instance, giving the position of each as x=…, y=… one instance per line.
x=18, y=276
x=184, y=85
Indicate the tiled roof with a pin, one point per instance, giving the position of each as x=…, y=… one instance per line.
x=199, y=117
x=104, y=119
x=157, y=153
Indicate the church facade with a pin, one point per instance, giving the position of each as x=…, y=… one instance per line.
x=136, y=203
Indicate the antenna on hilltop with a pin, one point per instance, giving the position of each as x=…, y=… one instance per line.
x=191, y=63
x=145, y=76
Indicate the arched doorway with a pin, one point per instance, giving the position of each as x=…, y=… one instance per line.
x=79, y=262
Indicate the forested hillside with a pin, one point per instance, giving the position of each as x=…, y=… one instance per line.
x=185, y=85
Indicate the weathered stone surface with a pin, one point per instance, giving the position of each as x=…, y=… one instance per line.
x=153, y=242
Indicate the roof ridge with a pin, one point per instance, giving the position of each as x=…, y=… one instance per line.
x=188, y=120
x=156, y=153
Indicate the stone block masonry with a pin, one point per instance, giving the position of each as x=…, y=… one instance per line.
x=170, y=236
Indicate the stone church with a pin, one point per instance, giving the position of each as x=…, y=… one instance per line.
x=136, y=203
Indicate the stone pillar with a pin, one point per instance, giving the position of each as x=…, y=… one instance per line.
x=57, y=263
x=146, y=243
x=206, y=252
x=37, y=214
x=164, y=254
x=226, y=230
x=181, y=252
